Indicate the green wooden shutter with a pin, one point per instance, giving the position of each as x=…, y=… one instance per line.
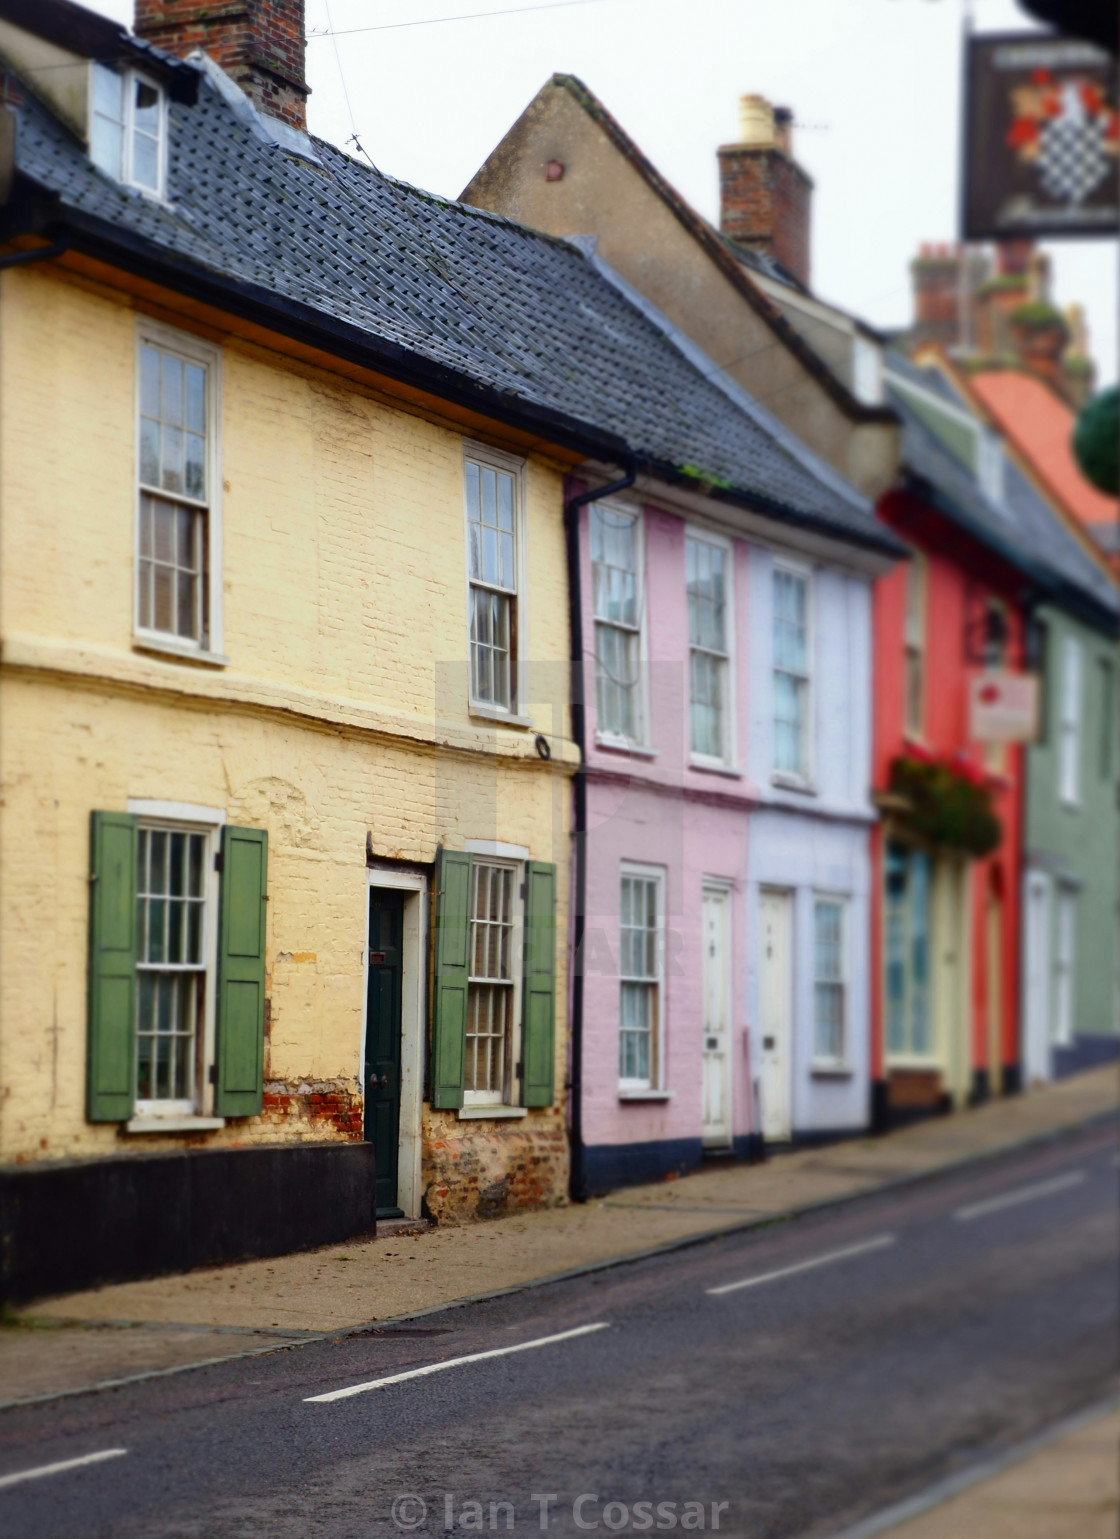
x=538, y=1025
x=111, y=1063
x=452, y=970
x=241, y=941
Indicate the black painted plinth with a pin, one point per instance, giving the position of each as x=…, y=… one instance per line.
x=77, y=1224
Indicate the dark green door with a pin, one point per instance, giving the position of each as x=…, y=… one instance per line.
x=383, y=1042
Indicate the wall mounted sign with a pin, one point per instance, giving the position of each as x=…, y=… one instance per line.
x=1003, y=707
x=1041, y=138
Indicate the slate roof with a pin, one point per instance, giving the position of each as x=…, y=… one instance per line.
x=1025, y=531
x=488, y=301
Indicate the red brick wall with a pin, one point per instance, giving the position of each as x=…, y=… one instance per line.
x=765, y=201
x=259, y=42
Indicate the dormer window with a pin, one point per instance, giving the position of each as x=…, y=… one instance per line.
x=990, y=465
x=128, y=128
x=867, y=371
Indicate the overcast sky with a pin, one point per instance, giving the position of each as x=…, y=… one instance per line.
x=874, y=85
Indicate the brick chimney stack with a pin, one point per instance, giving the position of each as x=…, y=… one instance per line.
x=259, y=43
x=765, y=197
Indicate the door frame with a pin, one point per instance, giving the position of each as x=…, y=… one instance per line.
x=414, y=1004
x=789, y=896
x=724, y=888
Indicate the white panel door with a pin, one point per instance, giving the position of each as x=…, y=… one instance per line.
x=775, y=1012
x=716, y=939
x=1036, y=980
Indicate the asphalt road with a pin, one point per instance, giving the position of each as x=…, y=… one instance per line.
x=871, y=1350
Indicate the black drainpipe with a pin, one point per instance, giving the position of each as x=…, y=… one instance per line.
x=579, y=807
x=34, y=254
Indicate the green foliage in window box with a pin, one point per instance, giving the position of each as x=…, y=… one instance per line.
x=948, y=807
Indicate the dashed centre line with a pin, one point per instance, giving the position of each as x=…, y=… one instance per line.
x=454, y=1362
x=60, y=1467
x=1012, y=1199
x=880, y=1242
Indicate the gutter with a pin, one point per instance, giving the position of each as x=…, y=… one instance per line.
x=579, y=807
x=34, y=254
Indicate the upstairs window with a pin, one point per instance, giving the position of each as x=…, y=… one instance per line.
x=916, y=585
x=1069, y=723
x=128, y=128
x=493, y=536
x=617, y=590
x=707, y=577
x=176, y=534
x=791, y=673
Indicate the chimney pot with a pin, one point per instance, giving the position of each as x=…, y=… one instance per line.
x=756, y=120
x=783, y=129
x=259, y=43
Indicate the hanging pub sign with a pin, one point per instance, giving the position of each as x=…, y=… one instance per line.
x=1041, y=138
x=1003, y=707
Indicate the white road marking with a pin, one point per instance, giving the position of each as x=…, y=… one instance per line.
x=455, y=1362
x=880, y=1242
x=1022, y=1194
x=61, y=1466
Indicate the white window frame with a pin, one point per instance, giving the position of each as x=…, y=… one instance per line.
x=512, y=1090
x=128, y=78
x=1070, y=691
x=1065, y=965
x=841, y=901
x=802, y=780
x=185, y=345
x=726, y=759
x=604, y=737
x=184, y=817
x=496, y=459
x=915, y=637
x=633, y=1087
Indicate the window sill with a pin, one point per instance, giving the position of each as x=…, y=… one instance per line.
x=920, y=1061
x=479, y=1113
x=620, y=745
x=645, y=1095
x=181, y=654
x=793, y=783
x=495, y=713
x=144, y=1124
x=714, y=767
x=825, y=1068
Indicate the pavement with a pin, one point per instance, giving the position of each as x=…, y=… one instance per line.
x=80, y=1341
x=1068, y=1488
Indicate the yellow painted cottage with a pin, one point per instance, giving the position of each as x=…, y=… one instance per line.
x=285, y=746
